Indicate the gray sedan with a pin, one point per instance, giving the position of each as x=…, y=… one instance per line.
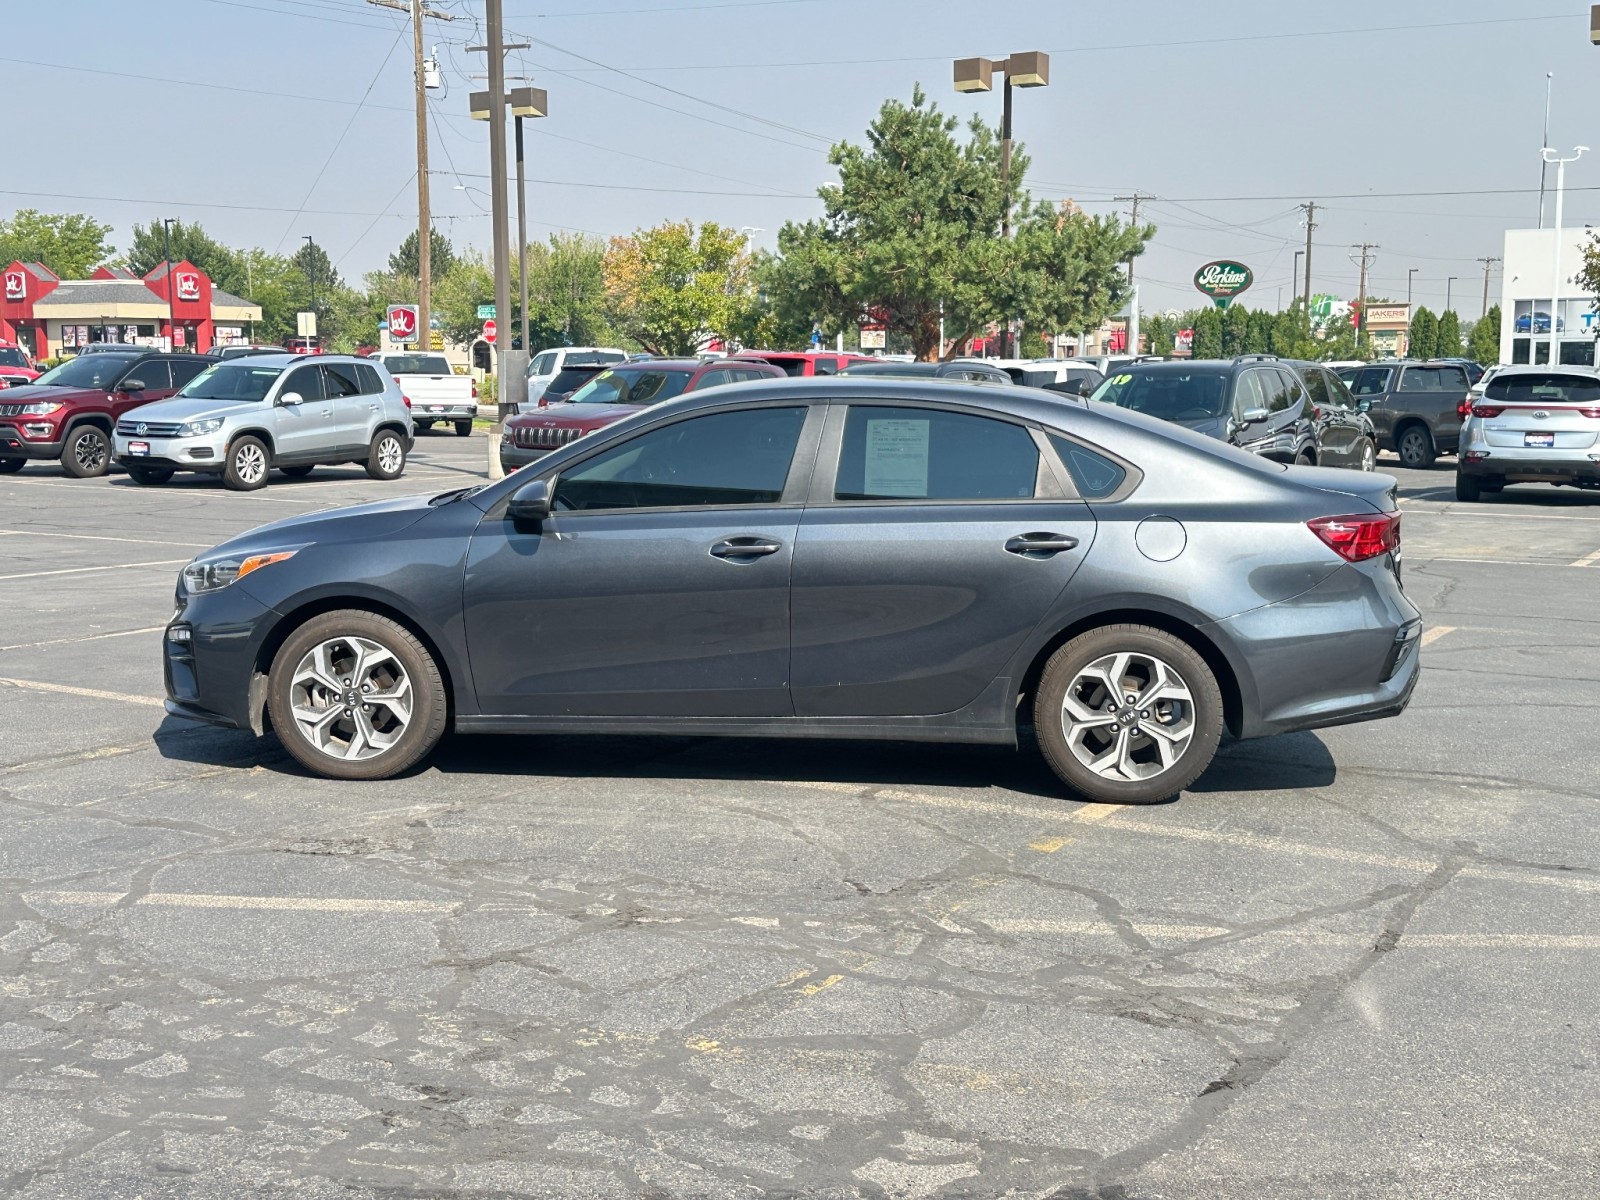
x=835, y=558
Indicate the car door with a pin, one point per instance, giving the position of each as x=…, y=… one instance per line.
x=1331, y=425
x=1371, y=389
x=1352, y=425
x=659, y=585
x=156, y=377
x=302, y=431
x=934, y=542
x=355, y=413
x=1451, y=391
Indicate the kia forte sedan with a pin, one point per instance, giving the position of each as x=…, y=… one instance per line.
x=844, y=558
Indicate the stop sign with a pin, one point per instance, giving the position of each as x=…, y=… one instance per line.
x=489, y=328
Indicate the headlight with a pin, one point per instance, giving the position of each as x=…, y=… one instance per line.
x=40, y=408
x=214, y=574
x=197, y=428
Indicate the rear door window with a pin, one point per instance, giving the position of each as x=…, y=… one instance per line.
x=155, y=374
x=371, y=382
x=928, y=454
x=1421, y=379
x=1371, y=381
x=340, y=379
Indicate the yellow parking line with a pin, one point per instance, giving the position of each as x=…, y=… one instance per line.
x=1049, y=845
x=1589, y=560
x=1437, y=632
x=34, y=685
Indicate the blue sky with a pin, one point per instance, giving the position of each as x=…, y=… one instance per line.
x=1231, y=111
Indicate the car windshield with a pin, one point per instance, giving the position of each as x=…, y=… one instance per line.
x=632, y=387
x=240, y=381
x=1193, y=395
x=416, y=364
x=93, y=371
x=10, y=356
x=1544, y=388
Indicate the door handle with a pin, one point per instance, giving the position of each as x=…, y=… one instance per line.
x=372, y=408
x=1040, y=544
x=744, y=549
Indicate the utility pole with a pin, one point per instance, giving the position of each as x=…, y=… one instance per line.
x=166, y=234
x=1411, y=276
x=1488, y=265
x=1449, y=290
x=1366, y=260
x=1544, y=163
x=1133, y=219
x=418, y=10
x=1310, y=209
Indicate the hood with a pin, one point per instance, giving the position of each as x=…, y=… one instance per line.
x=1214, y=427
x=565, y=416
x=360, y=522
x=28, y=393
x=186, y=408
x=1379, y=491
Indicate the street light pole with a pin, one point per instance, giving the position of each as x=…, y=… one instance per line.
x=1449, y=289
x=1410, y=276
x=311, y=277
x=166, y=251
x=1555, y=272
x=522, y=241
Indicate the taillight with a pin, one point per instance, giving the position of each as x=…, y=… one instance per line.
x=1464, y=409
x=1592, y=413
x=406, y=398
x=474, y=390
x=1487, y=410
x=1358, y=538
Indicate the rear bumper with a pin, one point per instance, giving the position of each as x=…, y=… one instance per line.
x=1518, y=466
x=443, y=412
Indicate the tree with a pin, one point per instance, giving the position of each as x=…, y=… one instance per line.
x=70, y=244
x=567, y=290
x=1258, y=335
x=1235, y=327
x=675, y=287
x=1292, y=335
x=406, y=261
x=1484, y=344
x=1208, y=333
x=457, y=294
x=1160, y=332
x=225, y=266
x=910, y=235
x=1448, y=343
x=1424, y=339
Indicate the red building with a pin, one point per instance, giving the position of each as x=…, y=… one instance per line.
x=52, y=316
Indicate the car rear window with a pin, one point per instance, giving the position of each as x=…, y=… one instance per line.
x=1551, y=388
x=417, y=364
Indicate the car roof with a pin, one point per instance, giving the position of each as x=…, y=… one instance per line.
x=1548, y=369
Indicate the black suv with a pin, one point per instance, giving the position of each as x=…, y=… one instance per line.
x=1291, y=412
x=1415, y=406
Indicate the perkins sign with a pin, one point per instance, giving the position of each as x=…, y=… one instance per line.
x=1223, y=280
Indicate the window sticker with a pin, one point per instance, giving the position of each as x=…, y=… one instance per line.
x=897, y=458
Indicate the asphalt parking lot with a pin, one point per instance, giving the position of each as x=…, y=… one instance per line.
x=1355, y=963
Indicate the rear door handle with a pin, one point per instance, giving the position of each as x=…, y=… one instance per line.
x=744, y=549
x=1040, y=544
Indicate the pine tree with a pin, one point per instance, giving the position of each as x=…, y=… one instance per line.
x=1424, y=339
x=1208, y=334
x=1484, y=344
x=1448, y=342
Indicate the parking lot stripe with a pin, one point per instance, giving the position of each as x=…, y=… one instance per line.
x=166, y=562
x=1589, y=560
x=34, y=685
x=1516, y=514
x=94, y=537
x=93, y=637
x=1413, y=941
x=1500, y=562
x=250, y=903
x=1437, y=632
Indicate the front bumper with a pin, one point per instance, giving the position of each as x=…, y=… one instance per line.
x=209, y=654
x=180, y=454
x=512, y=457
x=14, y=443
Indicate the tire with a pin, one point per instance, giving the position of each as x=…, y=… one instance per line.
x=1079, y=670
x=299, y=472
x=1469, y=488
x=1304, y=460
x=309, y=674
x=386, y=459
x=421, y=425
x=1369, y=455
x=10, y=466
x=87, y=454
x=463, y=428
x=1415, y=448
x=249, y=462
x=150, y=476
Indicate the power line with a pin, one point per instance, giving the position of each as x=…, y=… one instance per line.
x=634, y=187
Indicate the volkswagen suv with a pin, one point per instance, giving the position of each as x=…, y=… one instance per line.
x=241, y=419
x=1532, y=425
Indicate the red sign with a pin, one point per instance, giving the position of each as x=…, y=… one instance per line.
x=1117, y=341
x=403, y=322
x=489, y=329
x=188, y=286
x=177, y=337
x=16, y=285
x=1184, y=341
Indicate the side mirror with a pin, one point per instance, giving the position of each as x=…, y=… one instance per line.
x=1073, y=387
x=290, y=399
x=131, y=385
x=1253, y=416
x=1364, y=404
x=531, y=502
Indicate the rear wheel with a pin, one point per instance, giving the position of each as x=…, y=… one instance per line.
x=10, y=466
x=1469, y=488
x=150, y=476
x=355, y=696
x=1415, y=448
x=387, y=457
x=1369, y=456
x=1128, y=714
x=1304, y=459
x=247, y=466
x=87, y=453
x=463, y=428
x=299, y=472
x=423, y=424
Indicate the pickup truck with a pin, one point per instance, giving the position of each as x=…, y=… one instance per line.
x=434, y=391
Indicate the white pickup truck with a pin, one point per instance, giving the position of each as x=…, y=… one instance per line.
x=436, y=393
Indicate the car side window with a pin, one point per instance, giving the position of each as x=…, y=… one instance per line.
x=1454, y=379
x=154, y=373
x=714, y=379
x=928, y=454
x=825, y=366
x=182, y=372
x=1420, y=379
x=371, y=382
x=721, y=459
x=1094, y=475
x=545, y=364
x=307, y=381
x=1372, y=381
x=1248, y=394
x=1280, y=390
x=339, y=379
x=1316, y=384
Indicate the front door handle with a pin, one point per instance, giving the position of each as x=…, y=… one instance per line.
x=744, y=549
x=1039, y=545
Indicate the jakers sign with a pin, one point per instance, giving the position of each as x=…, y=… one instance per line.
x=1223, y=280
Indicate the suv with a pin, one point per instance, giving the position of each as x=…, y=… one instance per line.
x=1415, y=407
x=960, y=369
x=1054, y=375
x=242, y=418
x=1290, y=412
x=68, y=412
x=1532, y=425
x=616, y=393
x=547, y=364
x=16, y=368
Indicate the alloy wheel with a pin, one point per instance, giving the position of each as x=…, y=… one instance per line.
x=249, y=463
x=1414, y=448
x=1369, y=457
x=390, y=455
x=351, y=698
x=1128, y=717
x=89, y=452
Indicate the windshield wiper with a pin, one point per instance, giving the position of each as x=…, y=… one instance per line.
x=451, y=497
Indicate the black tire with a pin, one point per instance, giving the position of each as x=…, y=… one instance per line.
x=463, y=428
x=1415, y=447
x=248, y=465
x=386, y=458
x=150, y=476
x=299, y=472
x=1469, y=488
x=1369, y=455
x=10, y=466
x=1304, y=459
x=1201, y=715
x=428, y=714
x=421, y=425
x=87, y=454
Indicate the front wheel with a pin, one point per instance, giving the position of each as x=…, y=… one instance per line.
x=353, y=695
x=150, y=476
x=10, y=466
x=386, y=459
x=1415, y=448
x=463, y=428
x=1128, y=714
x=87, y=453
x=248, y=464
x=1369, y=456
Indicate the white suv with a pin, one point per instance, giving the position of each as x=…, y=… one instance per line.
x=547, y=364
x=240, y=419
x=1531, y=425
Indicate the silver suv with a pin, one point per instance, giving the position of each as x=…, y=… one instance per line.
x=1532, y=425
x=240, y=419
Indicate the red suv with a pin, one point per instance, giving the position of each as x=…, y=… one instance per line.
x=615, y=393
x=68, y=413
x=805, y=362
x=16, y=368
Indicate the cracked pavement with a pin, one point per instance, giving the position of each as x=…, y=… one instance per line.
x=1351, y=964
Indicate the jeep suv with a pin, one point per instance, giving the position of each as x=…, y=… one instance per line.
x=68, y=412
x=16, y=368
x=1415, y=406
x=242, y=418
